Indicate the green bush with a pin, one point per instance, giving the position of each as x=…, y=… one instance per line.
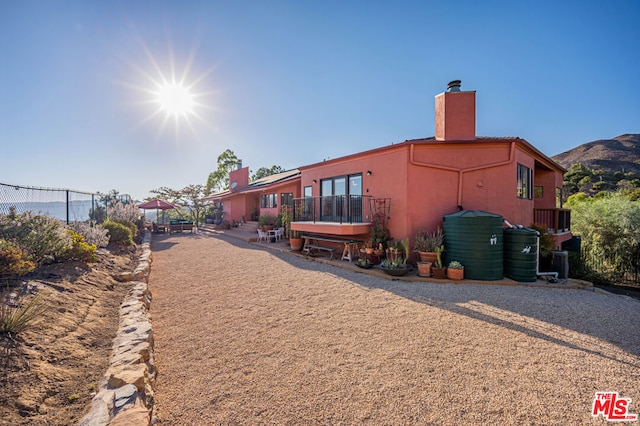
x=132, y=226
x=80, y=249
x=119, y=234
x=14, y=260
x=610, y=229
x=43, y=237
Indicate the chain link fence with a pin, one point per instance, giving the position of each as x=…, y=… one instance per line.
x=63, y=204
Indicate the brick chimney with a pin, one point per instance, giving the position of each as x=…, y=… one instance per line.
x=455, y=113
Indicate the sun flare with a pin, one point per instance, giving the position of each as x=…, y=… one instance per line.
x=175, y=99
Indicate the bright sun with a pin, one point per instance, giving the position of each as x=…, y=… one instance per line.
x=175, y=99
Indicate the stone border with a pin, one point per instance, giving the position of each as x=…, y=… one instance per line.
x=125, y=392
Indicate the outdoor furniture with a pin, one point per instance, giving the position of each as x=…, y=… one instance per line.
x=180, y=226
x=314, y=243
x=158, y=228
x=262, y=236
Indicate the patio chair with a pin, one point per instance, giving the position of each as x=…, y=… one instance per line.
x=262, y=236
x=279, y=233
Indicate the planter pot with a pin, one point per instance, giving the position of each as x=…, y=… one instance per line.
x=296, y=243
x=364, y=265
x=378, y=253
x=455, y=274
x=424, y=269
x=368, y=251
x=440, y=273
x=396, y=272
x=428, y=256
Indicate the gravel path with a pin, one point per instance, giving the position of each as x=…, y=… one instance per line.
x=245, y=335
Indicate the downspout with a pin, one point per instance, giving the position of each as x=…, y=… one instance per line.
x=460, y=171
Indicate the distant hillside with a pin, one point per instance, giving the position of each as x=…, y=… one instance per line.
x=621, y=153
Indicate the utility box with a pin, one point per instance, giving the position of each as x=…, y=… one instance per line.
x=561, y=264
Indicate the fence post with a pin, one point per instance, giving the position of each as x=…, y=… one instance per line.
x=67, y=191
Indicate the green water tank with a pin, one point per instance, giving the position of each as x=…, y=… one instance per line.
x=474, y=238
x=520, y=254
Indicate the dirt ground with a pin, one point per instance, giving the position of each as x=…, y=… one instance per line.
x=245, y=334
x=51, y=372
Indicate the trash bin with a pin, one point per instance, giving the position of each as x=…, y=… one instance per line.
x=561, y=264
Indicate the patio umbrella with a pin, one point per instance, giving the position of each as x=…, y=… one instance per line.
x=157, y=204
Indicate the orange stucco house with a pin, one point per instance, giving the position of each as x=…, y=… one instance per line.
x=418, y=181
x=245, y=200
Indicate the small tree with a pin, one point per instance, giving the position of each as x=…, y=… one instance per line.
x=219, y=179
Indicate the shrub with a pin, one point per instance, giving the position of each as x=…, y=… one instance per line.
x=43, y=237
x=95, y=234
x=118, y=233
x=14, y=260
x=132, y=226
x=79, y=249
x=547, y=242
x=14, y=321
x=119, y=211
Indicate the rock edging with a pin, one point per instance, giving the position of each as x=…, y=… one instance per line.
x=125, y=392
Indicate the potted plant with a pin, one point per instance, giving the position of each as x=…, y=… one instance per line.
x=295, y=240
x=266, y=221
x=437, y=269
x=398, y=265
x=455, y=270
x=368, y=249
x=426, y=243
x=424, y=268
x=364, y=263
x=395, y=268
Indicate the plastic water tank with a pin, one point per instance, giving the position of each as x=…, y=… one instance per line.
x=520, y=254
x=474, y=238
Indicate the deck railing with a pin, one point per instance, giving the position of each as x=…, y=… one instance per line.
x=333, y=208
x=557, y=220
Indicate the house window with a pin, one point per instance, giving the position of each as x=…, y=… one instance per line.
x=341, y=198
x=268, y=201
x=286, y=199
x=525, y=182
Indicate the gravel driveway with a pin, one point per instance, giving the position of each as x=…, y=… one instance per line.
x=246, y=335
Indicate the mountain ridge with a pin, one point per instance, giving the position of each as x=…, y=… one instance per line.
x=621, y=153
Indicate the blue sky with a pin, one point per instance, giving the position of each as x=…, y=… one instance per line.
x=291, y=83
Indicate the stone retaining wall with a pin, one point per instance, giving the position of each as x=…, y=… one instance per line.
x=125, y=392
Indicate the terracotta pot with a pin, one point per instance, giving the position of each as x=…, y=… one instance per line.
x=439, y=272
x=455, y=274
x=424, y=269
x=428, y=256
x=296, y=243
x=368, y=250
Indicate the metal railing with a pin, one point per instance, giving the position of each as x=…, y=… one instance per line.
x=612, y=268
x=63, y=204
x=333, y=208
x=558, y=220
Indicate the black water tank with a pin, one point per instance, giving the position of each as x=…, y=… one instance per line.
x=520, y=254
x=474, y=238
